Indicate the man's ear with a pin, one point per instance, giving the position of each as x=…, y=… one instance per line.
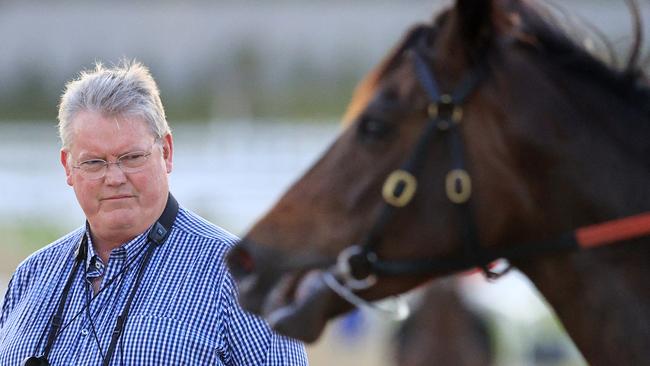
x=168, y=152
x=66, y=162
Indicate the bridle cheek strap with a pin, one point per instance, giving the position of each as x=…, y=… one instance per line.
x=357, y=265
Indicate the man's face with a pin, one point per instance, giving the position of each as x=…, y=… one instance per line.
x=119, y=205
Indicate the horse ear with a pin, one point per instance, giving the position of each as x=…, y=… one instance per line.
x=474, y=20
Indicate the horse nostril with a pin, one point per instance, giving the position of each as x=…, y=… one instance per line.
x=240, y=261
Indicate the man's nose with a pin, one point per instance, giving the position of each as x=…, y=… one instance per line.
x=114, y=175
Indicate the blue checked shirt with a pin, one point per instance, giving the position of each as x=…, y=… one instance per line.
x=185, y=310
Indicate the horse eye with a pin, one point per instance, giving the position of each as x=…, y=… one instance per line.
x=373, y=128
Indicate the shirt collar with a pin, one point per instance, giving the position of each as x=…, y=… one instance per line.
x=124, y=253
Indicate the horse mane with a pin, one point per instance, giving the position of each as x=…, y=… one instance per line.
x=629, y=84
x=625, y=90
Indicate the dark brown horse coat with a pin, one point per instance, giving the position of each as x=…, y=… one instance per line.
x=552, y=139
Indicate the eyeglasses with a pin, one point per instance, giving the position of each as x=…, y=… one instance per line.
x=132, y=162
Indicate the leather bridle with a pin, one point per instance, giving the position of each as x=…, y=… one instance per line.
x=359, y=265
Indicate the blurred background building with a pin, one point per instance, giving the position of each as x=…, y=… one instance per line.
x=253, y=91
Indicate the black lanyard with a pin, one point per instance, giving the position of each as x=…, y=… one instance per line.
x=157, y=236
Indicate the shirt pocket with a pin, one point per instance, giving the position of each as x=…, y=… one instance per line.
x=152, y=340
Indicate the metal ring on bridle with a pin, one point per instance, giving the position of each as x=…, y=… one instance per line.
x=394, y=194
x=345, y=270
x=458, y=185
x=445, y=100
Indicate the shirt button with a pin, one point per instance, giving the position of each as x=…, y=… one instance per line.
x=84, y=332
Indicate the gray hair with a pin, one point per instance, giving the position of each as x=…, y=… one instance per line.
x=127, y=89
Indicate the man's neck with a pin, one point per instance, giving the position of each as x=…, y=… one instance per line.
x=105, y=239
x=104, y=244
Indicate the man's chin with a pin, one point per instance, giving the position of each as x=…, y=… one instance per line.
x=117, y=219
x=116, y=203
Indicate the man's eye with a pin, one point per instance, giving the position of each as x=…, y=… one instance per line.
x=132, y=157
x=93, y=163
x=133, y=160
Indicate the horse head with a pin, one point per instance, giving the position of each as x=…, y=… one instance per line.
x=483, y=129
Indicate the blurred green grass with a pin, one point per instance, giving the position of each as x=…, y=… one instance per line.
x=20, y=240
x=243, y=90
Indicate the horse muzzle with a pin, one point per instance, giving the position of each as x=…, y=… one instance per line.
x=288, y=291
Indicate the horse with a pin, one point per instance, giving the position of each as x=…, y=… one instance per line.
x=460, y=333
x=487, y=133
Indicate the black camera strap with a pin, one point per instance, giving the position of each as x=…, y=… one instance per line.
x=57, y=319
x=157, y=236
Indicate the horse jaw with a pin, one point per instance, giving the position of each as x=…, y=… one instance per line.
x=305, y=317
x=295, y=303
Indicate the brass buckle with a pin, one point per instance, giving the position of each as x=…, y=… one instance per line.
x=446, y=102
x=402, y=198
x=345, y=270
x=458, y=178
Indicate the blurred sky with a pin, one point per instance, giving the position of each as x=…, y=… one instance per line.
x=198, y=46
x=233, y=54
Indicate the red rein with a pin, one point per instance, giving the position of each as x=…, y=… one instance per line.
x=615, y=230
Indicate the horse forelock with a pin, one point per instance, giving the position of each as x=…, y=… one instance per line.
x=366, y=88
x=361, y=97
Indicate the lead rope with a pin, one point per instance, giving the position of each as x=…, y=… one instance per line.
x=395, y=307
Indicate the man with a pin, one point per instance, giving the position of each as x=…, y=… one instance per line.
x=143, y=282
